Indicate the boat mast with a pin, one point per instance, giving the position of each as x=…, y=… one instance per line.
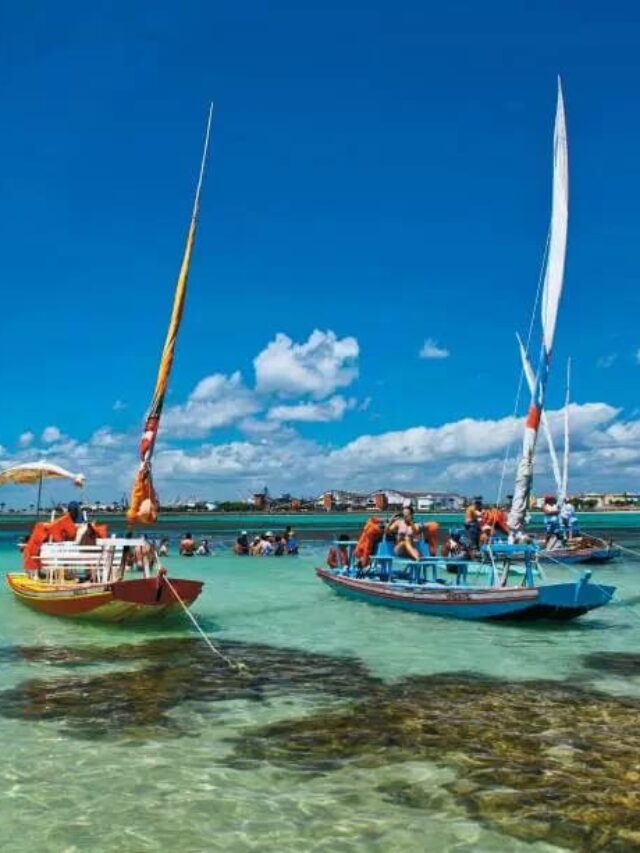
x=144, y=502
x=564, y=488
x=552, y=291
x=531, y=381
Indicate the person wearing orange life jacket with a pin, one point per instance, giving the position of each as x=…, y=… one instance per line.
x=63, y=529
x=496, y=519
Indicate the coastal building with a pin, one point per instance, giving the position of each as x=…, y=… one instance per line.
x=424, y=501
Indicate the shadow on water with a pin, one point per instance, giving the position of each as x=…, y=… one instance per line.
x=539, y=760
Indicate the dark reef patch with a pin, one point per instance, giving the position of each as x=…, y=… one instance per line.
x=169, y=672
x=613, y=663
x=538, y=760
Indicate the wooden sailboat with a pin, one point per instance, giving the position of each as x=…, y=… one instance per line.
x=566, y=546
x=418, y=585
x=77, y=570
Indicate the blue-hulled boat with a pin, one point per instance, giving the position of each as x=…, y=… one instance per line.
x=418, y=586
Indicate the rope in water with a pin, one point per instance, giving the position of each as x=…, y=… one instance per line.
x=237, y=666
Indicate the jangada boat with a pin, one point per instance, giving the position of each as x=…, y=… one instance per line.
x=417, y=585
x=90, y=582
x=582, y=549
x=75, y=569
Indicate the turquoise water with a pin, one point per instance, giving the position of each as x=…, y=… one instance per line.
x=138, y=739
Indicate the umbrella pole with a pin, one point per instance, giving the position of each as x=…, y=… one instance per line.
x=39, y=497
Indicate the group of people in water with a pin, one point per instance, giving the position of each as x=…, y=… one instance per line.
x=267, y=544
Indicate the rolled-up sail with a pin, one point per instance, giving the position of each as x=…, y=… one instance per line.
x=552, y=292
x=144, y=501
x=544, y=420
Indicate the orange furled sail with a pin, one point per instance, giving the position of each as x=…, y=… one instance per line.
x=144, y=500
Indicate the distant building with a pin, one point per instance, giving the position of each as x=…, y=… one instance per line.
x=424, y=501
x=259, y=501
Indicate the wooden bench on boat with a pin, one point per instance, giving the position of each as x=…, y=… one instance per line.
x=103, y=562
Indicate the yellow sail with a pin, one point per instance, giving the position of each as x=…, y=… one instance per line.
x=143, y=508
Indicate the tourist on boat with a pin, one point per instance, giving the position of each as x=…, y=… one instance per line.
x=163, y=548
x=242, y=546
x=338, y=555
x=496, y=519
x=63, y=529
x=551, y=512
x=455, y=546
x=144, y=556
x=203, y=548
x=568, y=520
x=406, y=532
x=187, y=546
x=472, y=522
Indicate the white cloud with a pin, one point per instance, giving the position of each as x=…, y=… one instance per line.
x=431, y=349
x=608, y=360
x=323, y=412
x=216, y=401
x=51, y=434
x=26, y=438
x=119, y=405
x=317, y=367
x=106, y=437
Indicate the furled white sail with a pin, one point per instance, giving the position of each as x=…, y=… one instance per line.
x=554, y=273
x=531, y=382
x=552, y=292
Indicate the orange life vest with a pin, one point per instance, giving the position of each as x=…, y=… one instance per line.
x=369, y=538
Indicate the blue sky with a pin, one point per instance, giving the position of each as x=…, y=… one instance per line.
x=380, y=172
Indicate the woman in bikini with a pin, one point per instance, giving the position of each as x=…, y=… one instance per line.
x=407, y=532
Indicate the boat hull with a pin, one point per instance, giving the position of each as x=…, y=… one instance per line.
x=556, y=601
x=589, y=556
x=120, y=601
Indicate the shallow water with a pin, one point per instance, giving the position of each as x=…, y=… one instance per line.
x=355, y=728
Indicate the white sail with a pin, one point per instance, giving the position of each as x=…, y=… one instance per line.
x=554, y=274
x=564, y=488
x=531, y=382
x=552, y=291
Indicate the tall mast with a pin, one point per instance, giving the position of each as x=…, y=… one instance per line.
x=552, y=291
x=144, y=501
x=564, y=488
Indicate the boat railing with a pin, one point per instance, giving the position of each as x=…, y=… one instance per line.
x=495, y=561
x=103, y=562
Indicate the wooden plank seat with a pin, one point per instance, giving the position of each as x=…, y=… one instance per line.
x=99, y=563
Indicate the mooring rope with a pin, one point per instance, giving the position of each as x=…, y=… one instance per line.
x=237, y=666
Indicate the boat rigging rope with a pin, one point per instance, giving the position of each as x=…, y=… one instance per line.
x=236, y=666
x=507, y=453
